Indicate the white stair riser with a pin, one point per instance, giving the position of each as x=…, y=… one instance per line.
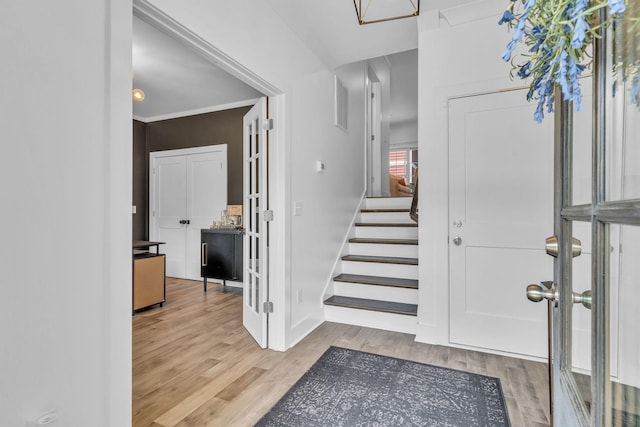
x=387, y=232
x=380, y=269
x=388, y=203
x=376, y=292
x=386, y=217
x=371, y=319
x=405, y=251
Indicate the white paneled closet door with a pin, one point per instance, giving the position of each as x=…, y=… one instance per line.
x=500, y=195
x=188, y=192
x=169, y=208
x=206, y=198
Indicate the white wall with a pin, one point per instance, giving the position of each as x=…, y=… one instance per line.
x=329, y=199
x=459, y=53
x=250, y=32
x=65, y=183
x=404, y=134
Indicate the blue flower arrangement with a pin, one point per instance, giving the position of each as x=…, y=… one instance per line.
x=557, y=34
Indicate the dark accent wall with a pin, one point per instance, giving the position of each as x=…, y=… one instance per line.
x=140, y=182
x=220, y=127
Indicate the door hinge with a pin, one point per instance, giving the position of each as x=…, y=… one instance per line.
x=373, y=137
x=267, y=124
x=267, y=307
x=267, y=215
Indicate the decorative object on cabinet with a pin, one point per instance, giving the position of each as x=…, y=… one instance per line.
x=234, y=215
x=149, y=285
x=221, y=255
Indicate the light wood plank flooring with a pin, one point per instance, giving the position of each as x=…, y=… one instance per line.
x=195, y=365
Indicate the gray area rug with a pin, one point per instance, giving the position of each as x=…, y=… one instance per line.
x=352, y=388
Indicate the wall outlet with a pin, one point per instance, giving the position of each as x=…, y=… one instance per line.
x=299, y=297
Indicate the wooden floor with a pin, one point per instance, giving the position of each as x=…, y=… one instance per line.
x=195, y=365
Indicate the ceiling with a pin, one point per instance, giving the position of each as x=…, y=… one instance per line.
x=177, y=81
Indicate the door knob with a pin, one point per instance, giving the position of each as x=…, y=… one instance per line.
x=537, y=293
x=583, y=298
x=457, y=240
x=551, y=245
x=184, y=221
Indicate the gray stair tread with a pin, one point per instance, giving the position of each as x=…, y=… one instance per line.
x=381, y=259
x=373, y=305
x=384, y=241
x=386, y=224
x=377, y=280
x=385, y=210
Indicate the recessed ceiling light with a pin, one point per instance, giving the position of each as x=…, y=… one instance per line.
x=138, y=95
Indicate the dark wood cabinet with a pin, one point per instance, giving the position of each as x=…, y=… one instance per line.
x=221, y=255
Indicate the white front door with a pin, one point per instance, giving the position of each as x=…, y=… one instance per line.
x=501, y=196
x=188, y=189
x=256, y=265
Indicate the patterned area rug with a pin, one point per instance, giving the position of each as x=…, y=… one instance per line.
x=352, y=388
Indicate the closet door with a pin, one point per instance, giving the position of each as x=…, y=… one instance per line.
x=188, y=191
x=206, y=198
x=169, y=210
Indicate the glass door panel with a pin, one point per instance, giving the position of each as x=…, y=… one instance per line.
x=582, y=149
x=625, y=349
x=581, y=316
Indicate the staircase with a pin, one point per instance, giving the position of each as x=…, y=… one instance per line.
x=376, y=283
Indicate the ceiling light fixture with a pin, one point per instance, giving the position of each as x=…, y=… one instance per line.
x=372, y=11
x=138, y=95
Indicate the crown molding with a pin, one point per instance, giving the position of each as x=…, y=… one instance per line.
x=197, y=111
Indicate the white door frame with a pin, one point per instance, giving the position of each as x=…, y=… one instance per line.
x=279, y=159
x=373, y=137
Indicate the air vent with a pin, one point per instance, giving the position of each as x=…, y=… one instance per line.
x=341, y=104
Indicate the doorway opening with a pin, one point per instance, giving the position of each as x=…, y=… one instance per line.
x=215, y=119
x=392, y=125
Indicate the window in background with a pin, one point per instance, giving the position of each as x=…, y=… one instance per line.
x=403, y=163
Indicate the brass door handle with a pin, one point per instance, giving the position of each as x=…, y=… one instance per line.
x=203, y=254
